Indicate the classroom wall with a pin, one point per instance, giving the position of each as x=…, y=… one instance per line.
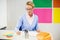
x=15, y=9
x=3, y=13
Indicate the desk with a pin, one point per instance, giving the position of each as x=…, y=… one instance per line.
x=32, y=35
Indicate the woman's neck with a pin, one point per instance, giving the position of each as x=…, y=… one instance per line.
x=30, y=15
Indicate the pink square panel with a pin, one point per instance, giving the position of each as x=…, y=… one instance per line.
x=44, y=14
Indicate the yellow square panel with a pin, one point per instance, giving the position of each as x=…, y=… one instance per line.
x=56, y=12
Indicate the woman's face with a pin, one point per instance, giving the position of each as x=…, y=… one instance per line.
x=29, y=9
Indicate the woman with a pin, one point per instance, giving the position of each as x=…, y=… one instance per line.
x=28, y=21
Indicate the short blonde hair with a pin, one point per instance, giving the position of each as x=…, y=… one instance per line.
x=30, y=3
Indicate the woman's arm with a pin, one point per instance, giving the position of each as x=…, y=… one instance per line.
x=37, y=27
x=19, y=24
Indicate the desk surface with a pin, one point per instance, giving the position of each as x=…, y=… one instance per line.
x=32, y=35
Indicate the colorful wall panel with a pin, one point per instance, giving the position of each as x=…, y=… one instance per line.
x=43, y=3
x=48, y=11
x=56, y=3
x=56, y=15
x=44, y=15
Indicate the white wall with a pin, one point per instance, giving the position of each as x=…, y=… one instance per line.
x=17, y=7
x=3, y=13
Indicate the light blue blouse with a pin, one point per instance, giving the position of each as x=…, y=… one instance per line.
x=24, y=25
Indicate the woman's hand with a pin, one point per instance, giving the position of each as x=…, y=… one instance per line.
x=18, y=33
x=38, y=31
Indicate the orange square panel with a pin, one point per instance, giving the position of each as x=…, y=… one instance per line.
x=56, y=3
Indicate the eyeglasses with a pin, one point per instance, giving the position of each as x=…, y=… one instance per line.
x=28, y=8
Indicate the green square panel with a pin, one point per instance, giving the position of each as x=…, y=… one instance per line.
x=43, y=3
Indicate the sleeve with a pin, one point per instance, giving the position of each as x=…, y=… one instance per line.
x=19, y=24
x=37, y=24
